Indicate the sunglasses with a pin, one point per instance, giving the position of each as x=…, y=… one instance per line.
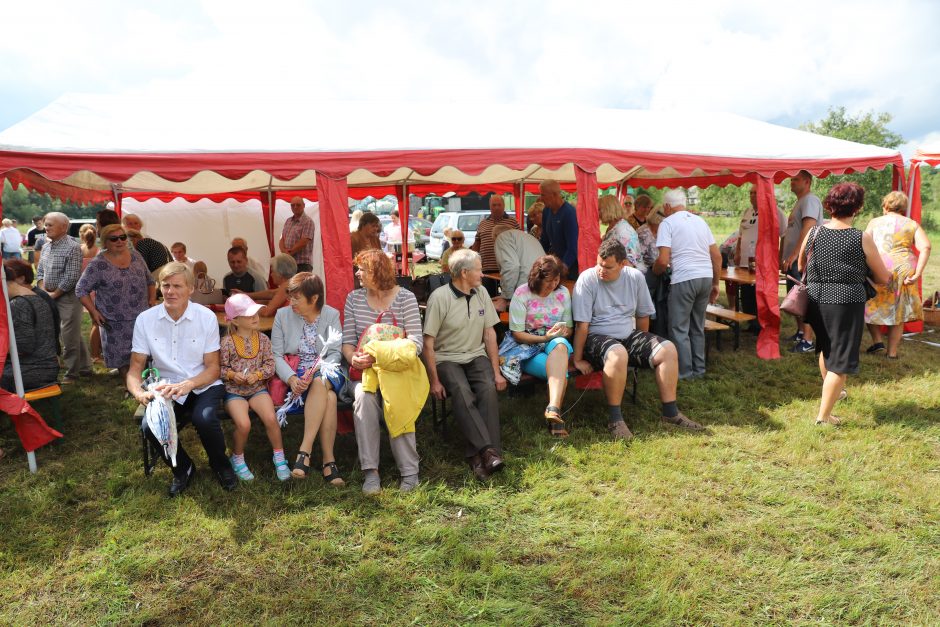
x=456, y=239
x=115, y=238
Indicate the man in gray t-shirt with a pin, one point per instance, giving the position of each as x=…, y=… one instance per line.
x=806, y=213
x=611, y=310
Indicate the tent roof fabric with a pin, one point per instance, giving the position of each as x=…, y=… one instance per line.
x=209, y=145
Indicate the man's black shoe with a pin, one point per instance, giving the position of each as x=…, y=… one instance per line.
x=227, y=478
x=179, y=484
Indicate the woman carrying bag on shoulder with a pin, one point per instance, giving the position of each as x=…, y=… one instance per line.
x=840, y=260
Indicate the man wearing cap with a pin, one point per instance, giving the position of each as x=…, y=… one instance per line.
x=182, y=340
x=297, y=236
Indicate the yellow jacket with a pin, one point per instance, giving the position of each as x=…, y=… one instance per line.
x=403, y=379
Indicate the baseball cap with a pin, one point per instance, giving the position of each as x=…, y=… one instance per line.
x=240, y=305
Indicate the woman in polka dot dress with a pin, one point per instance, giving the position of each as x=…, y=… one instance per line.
x=840, y=257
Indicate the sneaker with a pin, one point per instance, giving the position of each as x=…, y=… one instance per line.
x=619, y=430
x=802, y=347
x=372, y=484
x=282, y=469
x=409, y=483
x=796, y=337
x=241, y=469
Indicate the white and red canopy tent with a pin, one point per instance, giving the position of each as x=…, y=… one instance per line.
x=195, y=146
x=928, y=155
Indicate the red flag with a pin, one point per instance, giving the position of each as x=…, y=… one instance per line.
x=32, y=429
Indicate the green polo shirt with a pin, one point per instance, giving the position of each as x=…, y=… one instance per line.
x=456, y=321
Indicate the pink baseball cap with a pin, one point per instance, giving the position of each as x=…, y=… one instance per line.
x=240, y=305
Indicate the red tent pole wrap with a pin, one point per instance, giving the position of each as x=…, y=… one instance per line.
x=118, y=198
x=768, y=269
x=403, y=213
x=914, y=213
x=589, y=232
x=518, y=197
x=337, y=249
x=268, y=199
x=897, y=178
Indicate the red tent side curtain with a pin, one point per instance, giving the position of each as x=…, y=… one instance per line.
x=337, y=249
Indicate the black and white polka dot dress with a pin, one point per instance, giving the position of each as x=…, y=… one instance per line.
x=837, y=268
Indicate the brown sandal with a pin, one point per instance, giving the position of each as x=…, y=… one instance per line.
x=553, y=415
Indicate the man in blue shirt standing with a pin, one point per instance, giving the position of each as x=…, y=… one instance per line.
x=559, y=227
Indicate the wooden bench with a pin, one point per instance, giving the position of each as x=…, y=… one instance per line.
x=152, y=454
x=711, y=326
x=733, y=318
x=52, y=392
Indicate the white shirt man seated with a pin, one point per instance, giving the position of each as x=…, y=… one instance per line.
x=611, y=310
x=182, y=340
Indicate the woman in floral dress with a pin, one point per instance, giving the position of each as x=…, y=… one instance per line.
x=539, y=322
x=123, y=287
x=896, y=237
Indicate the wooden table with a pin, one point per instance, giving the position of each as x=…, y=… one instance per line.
x=265, y=326
x=739, y=275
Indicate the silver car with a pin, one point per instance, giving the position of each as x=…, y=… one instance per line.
x=464, y=221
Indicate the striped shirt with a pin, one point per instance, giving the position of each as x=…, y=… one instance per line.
x=484, y=240
x=295, y=229
x=60, y=265
x=358, y=316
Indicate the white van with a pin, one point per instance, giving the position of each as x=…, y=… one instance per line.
x=464, y=221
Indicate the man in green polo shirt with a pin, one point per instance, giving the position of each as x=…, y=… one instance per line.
x=462, y=359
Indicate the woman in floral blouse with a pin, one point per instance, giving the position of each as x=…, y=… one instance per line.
x=539, y=323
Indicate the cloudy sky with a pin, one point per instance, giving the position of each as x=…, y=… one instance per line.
x=785, y=63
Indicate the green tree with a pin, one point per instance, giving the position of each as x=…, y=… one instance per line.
x=22, y=204
x=864, y=128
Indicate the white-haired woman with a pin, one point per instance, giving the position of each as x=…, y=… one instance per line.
x=462, y=359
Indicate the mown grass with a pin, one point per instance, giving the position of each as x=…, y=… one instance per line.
x=763, y=519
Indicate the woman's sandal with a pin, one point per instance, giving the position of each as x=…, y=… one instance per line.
x=556, y=426
x=301, y=468
x=334, y=478
x=553, y=415
x=832, y=420
x=877, y=347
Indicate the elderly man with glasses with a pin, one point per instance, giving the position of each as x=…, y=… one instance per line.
x=297, y=236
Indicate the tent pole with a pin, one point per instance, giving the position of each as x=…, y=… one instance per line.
x=15, y=365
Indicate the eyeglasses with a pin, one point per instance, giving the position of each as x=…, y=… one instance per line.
x=456, y=239
x=115, y=238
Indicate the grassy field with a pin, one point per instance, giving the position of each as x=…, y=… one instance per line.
x=762, y=519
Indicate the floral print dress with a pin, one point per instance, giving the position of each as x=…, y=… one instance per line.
x=896, y=302
x=533, y=314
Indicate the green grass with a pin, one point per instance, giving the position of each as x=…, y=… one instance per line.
x=763, y=519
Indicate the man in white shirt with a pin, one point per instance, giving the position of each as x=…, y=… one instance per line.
x=178, y=250
x=182, y=339
x=687, y=245
x=11, y=240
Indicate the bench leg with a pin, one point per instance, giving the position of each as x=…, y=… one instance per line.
x=737, y=334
